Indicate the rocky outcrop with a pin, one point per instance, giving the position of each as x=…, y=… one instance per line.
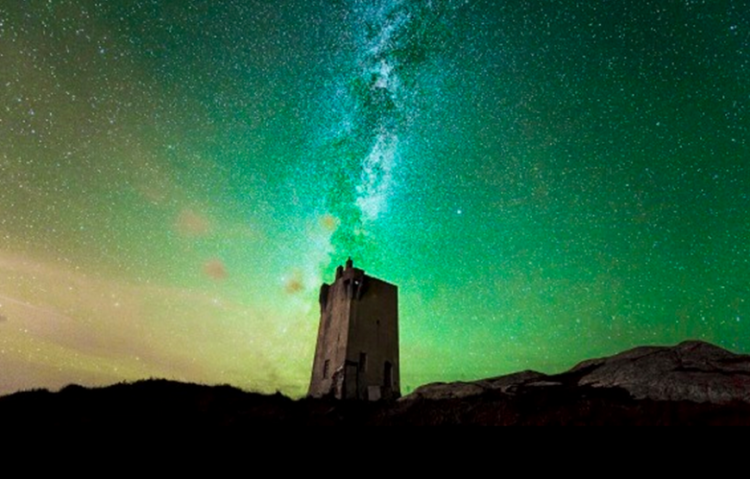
x=460, y=390
x=692, y=371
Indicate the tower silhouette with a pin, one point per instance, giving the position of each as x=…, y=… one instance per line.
x=357, y=355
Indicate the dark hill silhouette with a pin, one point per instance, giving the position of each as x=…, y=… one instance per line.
x=691, y=384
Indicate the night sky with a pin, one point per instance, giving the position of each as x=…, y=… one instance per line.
x=546, y=181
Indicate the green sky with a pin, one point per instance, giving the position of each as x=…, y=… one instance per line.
x=545, y=182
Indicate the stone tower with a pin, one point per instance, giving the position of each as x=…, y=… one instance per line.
x=357, y=355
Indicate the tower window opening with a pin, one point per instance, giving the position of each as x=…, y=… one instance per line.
x=388, y=375
x=363, y=362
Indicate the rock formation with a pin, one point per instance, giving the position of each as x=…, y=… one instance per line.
x=692, y=371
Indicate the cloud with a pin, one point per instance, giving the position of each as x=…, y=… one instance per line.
x=192, y=224
x=294, y=285
x=329, y=223
x=215, y=269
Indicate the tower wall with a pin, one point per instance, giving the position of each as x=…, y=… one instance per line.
x=357, y=354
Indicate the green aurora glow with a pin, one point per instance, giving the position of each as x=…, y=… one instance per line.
x=545, y=181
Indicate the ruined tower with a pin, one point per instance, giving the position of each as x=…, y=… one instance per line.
x=357, y=355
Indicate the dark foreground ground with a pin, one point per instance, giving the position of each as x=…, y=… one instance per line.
x=160, y=404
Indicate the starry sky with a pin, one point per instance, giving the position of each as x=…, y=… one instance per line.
x=546, y=181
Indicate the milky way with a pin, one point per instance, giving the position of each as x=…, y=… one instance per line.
x=544, y=181
x=388, y=45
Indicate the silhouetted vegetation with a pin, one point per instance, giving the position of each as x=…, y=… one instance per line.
x=160, y=404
